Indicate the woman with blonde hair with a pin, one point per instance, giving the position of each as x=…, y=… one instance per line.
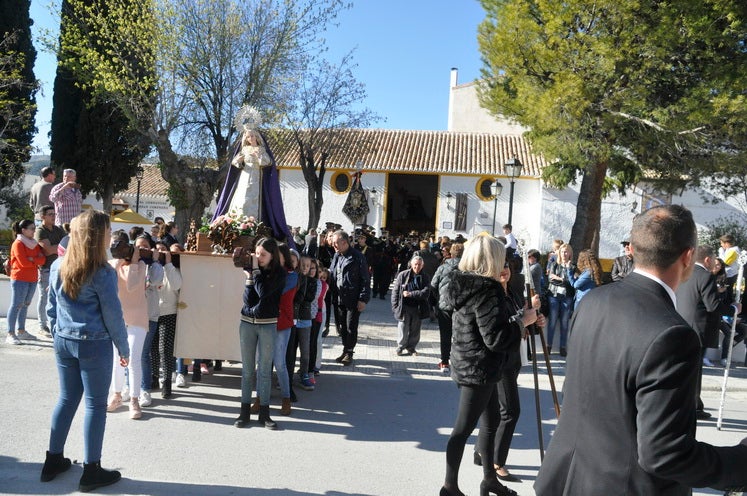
x=587, y=276
x=486, y=328
x=85, y=318
x=560, y=295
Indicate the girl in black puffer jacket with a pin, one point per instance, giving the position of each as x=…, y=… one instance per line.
x=485, y=331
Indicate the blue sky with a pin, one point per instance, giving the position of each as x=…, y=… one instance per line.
x=404, y=52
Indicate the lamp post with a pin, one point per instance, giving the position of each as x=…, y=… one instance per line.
x=496, y=188
x=139, y=177
x=513, y=169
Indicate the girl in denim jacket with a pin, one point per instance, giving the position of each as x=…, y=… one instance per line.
x=85, y=318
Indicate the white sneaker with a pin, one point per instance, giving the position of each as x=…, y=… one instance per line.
x=707, y=362
x=180, y=381
x=25, y=336
x=12, y=339
x=125, y=394
x=145, y=399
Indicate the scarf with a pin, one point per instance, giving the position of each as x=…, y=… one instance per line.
x=30, y=243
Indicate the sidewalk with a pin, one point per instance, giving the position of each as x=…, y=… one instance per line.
x=378, y=427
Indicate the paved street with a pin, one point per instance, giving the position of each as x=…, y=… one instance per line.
x=377, y=428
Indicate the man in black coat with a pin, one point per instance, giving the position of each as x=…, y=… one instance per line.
x=699, y=304
x=348, y=274
x=628, y=420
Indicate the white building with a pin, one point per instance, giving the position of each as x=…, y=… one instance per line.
x=439, y=181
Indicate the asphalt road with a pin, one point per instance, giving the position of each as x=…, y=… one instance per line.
x=377, y=428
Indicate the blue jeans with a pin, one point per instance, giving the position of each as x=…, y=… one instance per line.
x=84, y=367
x=20, y=299
x=145, y=360
x=560, y=310
x=281, y=347
x=41, y=304
x=256, y=338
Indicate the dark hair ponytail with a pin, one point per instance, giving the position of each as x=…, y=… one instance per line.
x=19, y=225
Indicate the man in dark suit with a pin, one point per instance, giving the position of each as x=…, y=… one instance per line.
x=699, y=304
x=628, y=421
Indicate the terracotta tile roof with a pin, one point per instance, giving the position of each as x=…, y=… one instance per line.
x=386, y=150
x=152, y=183
x=416, y=151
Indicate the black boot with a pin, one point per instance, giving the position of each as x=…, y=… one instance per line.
x=264, y=417
x=166, y=389
x=94, y=476
x=53, y=465
x=218, y=365
x=245, y=416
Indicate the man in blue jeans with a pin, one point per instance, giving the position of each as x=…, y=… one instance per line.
x=349, y=275
x=49, y=236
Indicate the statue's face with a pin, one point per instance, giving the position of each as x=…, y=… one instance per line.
x=251, y=139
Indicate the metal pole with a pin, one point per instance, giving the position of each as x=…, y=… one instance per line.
x=495, y=205
x=510, y=205
x=137, y=199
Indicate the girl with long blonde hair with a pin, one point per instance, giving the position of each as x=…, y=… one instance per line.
x=85, y=318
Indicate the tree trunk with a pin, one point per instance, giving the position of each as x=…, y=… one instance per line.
x=314, y=183
x=106, y=198
x=585, y=232
x=191, y=188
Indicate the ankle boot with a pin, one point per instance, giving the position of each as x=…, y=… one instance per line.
x=166, y=389
x=244, y=417
x=264, y=417
x=94, y=476
x=53, y=465
x=255, y=406
x=285, y=409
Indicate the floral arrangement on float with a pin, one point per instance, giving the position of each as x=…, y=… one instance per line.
x=228, y=232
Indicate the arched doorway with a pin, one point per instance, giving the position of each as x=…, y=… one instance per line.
x=411, y=203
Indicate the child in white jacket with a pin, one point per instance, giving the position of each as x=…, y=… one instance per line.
x=169, y=299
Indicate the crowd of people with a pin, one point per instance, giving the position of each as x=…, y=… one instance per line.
x=121, y=351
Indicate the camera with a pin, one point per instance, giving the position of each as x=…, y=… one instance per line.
x=121, y=249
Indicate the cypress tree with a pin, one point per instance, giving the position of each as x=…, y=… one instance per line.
x=18, y=89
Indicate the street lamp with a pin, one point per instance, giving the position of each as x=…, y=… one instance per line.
x=139, y=176
x=513, y=169
x=496, y=188
x=449, y=196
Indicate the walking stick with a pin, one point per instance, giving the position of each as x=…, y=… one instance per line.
x=737, y=296
x=555, y=402
x=537, y=406
x=532, y=329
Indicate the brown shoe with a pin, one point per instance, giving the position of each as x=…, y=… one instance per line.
x=135, y=411
x=255, y=405
x=285, y=409
x=115, y=402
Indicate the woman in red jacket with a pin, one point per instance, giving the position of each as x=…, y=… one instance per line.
x=25, y=258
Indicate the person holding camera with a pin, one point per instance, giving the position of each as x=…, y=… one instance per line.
x=86, y=319
x=131, y=272
x=66, y=197
x=265, y=280
x=560, y=297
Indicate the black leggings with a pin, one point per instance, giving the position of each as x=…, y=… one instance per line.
x=510, y=407
x=475, y=403
x=166, y=335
